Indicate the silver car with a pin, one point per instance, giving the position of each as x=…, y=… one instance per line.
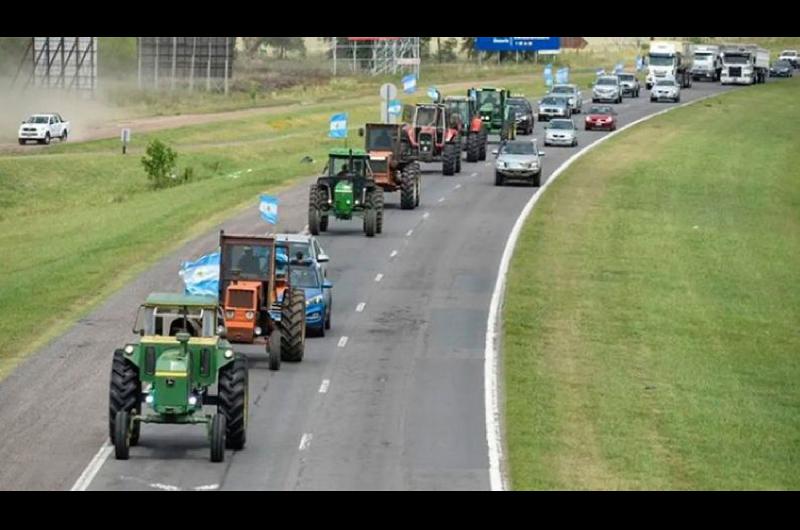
x=561, y=132
x=309, y=246
x=607, y=88
x=573, y=93
x=665, y=90
x=630, y=84
x=518, y=160
x=554, y=106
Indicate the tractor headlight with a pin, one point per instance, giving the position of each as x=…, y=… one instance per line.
x=249, y=315
x=229, y=314
x=258, y=330
x=228, y=354
x=149, y=399
x=129, y=349
x=192, y=400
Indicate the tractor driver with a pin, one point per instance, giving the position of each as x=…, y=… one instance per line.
x=249, y=263
x=344, y=171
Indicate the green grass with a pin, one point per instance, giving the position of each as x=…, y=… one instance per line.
x=651, y=318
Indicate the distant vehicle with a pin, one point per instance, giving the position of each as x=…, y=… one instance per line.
x=607, y=88
x=309, y=246
x=561, y=132
x=523, y=112
x=518, y=160
x=781, y=69
x=744, y=64
x=574, y=94
x=792, y=56
x=601, y=117
x=669, y=59
x=554, y=106
x=630, y=84
x=666, y=90
x=43, y=128
x=706, y=62
x=319, y=297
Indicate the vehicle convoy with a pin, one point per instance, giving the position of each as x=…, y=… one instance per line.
x=706, y=62
x=346, y=189
x=561, y=132
x=433, y=135
x=669, y=59
x=258, y=298
x=601, y=117
x=607, y=88
x=473, y=133
x=781, y=69
x=554, y=106
x=318, y=295
x=744, y=64
x=630, y=84
x=523, y=112
x=391, y=158
x=573, y=94
x=792, y=56
x=43, y=128
x=518, y=160
x=178, y=359
x=666, y=90
x=495, y=111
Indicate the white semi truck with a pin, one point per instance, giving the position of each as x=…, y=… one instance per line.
x=744, y=64
x=669, y=59
x=706, y=62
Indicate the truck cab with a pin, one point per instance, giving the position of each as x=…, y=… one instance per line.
x=706, y=63
x=668, y=59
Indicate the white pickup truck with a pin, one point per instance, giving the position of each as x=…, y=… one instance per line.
x=43, y=128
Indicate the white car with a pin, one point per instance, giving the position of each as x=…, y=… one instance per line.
x=665, y=89
x=42, y=128
x=573, y=93
x=561, y=132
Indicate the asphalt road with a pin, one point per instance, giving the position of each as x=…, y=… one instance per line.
x=391, y=399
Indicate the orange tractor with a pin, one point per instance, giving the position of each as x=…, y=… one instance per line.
x=257, y=299
x=472, y=128
x=434, y=135
x=393, y=165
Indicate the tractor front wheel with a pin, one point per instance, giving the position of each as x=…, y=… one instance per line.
x=473, y=147
x=483, y=139
x=378, y=204
x=125, y=394
x=407, y=188
x=232, y=404
x=218, y=438
x=448, y=159
x=314, y=216
x=274, y=350
x=122, y=435
x=293, y=326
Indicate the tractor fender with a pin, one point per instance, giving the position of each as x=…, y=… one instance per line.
x=450, y=135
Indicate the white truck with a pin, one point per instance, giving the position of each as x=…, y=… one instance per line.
x=706, y=62
x=669, y=59
x=744, y=64
x=792, y=56
x=42, y=128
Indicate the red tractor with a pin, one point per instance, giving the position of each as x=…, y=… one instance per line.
x=475, y=133
x=434, y=135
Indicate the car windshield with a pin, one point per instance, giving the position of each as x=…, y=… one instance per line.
x=783, y=64
x=601, y=110
x=661, y=60
x=296, y=246
x=607, y=81
x=552, y=101
x=665, y=82
x=518, y=148
x=702, y=56
x=789, y=54
x=736, y=59
x=304, y=277
x=626, y=77
x=561, y=124
x=562, y=90
x=38, y=119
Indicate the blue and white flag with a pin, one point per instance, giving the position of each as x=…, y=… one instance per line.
x=201, y=277
x=548, y=75
x=410, y=84
x=338, y=126
x=619, y=68
x=433, y=93
x=395, y=107
x=562, y=75
x=268, y=207
x=600, y=71
x=639, y=63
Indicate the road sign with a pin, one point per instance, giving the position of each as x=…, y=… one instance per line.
x=521, y=44
x=125, y=136
x=388, y=91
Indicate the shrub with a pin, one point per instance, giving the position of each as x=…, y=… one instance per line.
x=160, y=164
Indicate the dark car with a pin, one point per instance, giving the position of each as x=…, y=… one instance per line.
x=601, y=117
x=781, y=68
x=524, y=114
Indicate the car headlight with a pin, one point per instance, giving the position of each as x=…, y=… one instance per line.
x=314, y=300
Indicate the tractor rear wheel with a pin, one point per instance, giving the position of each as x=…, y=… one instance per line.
x=483, y=139
x=314, y=216
x=407, y=188
x=293, y=326
x=473, y=147
x=125, y=394
x=448, y=159
x=274, y=350
x=378, y=203
x=218, y=438
x=122, y=435
x=233, y=395
x=458, y=156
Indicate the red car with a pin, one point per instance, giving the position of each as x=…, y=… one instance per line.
x=602, y=117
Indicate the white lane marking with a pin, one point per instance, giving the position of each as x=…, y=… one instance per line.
x=378, y=277
x=474, y=175
x=165, y=487
x=408, y=234
x=393, y=254
x=324, y=386
x=457, y=186
x=207, y=487
x=94, y=466
x=305, y=441
x=497, y=478
x=426, y=215
x=441, y=199
x=360, y=307
x=342, y=341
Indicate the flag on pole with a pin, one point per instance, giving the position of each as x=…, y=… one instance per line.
x=268, y=207
x=562, y=75
x=395, y=107
x=201, y=277
x=433, y=93
x=410, y=84
x=548, y=75
x=619, y=68
x=338, y=126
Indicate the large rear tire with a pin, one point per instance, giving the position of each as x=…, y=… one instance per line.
x=407, y=177
x=314, y=214
x=232, y=404
x=378, y=203
x=483, y=140
x=293, y=326
x=458, y=156
x=125, y=394
x=448, y=159
x=473, y=147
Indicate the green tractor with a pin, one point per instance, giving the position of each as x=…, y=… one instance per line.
x=347, y=189
x=179, y=356
x=472, y=128
x=497, y=115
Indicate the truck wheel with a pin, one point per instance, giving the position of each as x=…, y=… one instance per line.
x=407, y=178
x=314, y=217
x=122, y=435
x=473, y=147
x=233, y=396
x=46, y=138
x=293, y=326
x=274, y=350
x=217, y=438
x=64, y=136
x=498, y=178
x=125, y=393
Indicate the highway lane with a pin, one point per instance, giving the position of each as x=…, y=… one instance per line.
x=398, y=404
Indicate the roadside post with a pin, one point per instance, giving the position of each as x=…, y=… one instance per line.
x=125, y=137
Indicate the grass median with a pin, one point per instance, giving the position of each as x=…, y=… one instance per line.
x=651, y=317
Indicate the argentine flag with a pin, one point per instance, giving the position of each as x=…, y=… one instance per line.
x=410, y=84
x=601, y=71
x=268, y=207
x=395, y=107
x=619, y=68
x=548, y=75
x=201, y=277
x=338, y=126
x=562, y=75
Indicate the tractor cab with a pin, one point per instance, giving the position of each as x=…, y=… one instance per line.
x=166, y=315
x=494, y=110
x=458, y=106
